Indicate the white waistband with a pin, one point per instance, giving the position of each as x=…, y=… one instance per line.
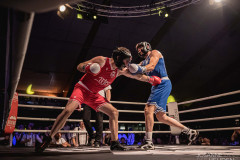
x=164, y=78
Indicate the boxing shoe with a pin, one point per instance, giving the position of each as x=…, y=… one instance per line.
x=40, y=148
x=147, y=145
x=116, y=146
x=192, y=135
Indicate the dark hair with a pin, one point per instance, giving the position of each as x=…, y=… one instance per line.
x=119, y=55
x=57, y=136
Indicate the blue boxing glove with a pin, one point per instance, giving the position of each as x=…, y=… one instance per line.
x=136, y=69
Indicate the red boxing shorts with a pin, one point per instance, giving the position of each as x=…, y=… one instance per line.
x=81, y=95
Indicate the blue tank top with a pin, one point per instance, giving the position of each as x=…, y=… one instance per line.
x=159, y=70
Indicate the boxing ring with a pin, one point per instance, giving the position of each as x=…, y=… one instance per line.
x=161, y=152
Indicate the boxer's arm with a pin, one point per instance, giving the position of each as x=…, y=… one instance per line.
x=154, y=58
x=139, y=77
x=154, y=80
x=99, y=59
x=138, y=69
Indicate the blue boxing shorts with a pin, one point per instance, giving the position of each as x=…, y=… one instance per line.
x=159, y=95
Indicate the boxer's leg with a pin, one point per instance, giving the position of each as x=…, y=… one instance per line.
x=112, y=112
x=149, y=123
x=162, y=117
x=63, y=116
x=58, y=124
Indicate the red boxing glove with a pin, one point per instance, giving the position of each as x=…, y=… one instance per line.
x=154, y=80
x=93, y=68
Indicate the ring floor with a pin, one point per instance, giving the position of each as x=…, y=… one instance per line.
x=162, y=152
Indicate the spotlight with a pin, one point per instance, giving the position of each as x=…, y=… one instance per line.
x=165, y=12
x=216, y=2
x=79, y=16
x=65, y=11
x=62, y=8
x=94, y=17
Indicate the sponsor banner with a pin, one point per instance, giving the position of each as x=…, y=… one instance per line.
x=12, y=118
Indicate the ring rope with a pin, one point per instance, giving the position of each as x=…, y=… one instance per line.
x=209, y=119
x=138, y=103
x=210, y=107
x=210, y=97
x=106, y=121
x=218, y=129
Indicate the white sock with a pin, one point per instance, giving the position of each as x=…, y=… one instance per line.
x=148, y=136
x=185, y=129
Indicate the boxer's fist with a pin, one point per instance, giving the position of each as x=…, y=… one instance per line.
x=154, y=80
x=93, y=68
x=136, y=69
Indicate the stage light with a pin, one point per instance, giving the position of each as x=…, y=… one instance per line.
x=62, y=8
x=79, y=16
x=94, y=17
x=165, y=12
x=65, y=11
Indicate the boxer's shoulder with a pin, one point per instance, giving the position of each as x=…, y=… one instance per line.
x=100, y=60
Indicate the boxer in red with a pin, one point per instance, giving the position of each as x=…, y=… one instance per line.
x=100, y=73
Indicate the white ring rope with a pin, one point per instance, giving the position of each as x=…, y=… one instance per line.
x=210, y=97
x=209, y=119
x=135, y=111
x=138, y=103
x=218, y=129
x=106, y=121
x=210, y=107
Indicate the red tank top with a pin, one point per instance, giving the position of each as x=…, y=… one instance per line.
x=97, y=83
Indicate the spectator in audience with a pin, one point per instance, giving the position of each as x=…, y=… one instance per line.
x=236, y=137
x=123, y=141
x=140, y=142
x=131, y=138
x=106, y=138
x=18, y=136
x=46, y=134
x=120, y=135
x=80, y=138
x=59, y=141
x=159, y=140
x=29, y=139
x=203, y=141
x=67, y=136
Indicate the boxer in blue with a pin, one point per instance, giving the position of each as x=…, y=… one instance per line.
x=154, y=65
